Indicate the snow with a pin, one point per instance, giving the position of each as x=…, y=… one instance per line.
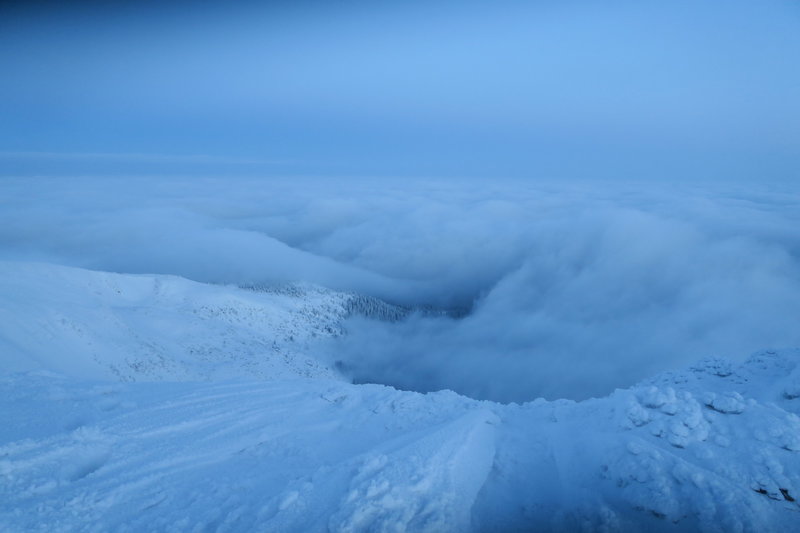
x=151, y=403
x=131, y=328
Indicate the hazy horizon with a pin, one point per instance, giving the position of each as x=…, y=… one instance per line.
x=612, y=190
x=647, y=91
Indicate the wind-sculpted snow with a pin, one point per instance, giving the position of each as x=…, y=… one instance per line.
x=714, y=448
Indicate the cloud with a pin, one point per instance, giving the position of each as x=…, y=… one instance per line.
x=573, y=288
x=604, y=302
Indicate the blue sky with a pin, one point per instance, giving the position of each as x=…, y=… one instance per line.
x=634, y=90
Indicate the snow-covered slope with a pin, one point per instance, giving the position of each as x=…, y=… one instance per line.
x=713, y=448
x=126, y=327
x=691, y=451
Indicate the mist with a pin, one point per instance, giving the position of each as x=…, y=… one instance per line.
x=567, y=196
x=566, y=289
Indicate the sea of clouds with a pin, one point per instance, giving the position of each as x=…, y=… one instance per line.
x=572, y=289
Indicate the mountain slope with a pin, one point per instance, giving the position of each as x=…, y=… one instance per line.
x=695, y=452
x=136, y=409
x=134, y=327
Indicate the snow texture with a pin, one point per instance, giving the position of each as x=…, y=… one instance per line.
x=150, y=403
x=132, y=328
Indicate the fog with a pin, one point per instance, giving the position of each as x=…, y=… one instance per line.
x=572, y=289
x=588, y=192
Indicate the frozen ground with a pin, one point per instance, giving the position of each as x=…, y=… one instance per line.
x=150, y=403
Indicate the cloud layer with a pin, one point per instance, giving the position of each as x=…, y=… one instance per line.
x=574, y=288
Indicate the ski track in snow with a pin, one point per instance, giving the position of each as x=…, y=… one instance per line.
x=715, y=447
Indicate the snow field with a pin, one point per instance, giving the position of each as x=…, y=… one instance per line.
x=114, y=419
x=131, y=328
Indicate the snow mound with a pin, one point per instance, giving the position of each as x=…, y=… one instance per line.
x=428, y=485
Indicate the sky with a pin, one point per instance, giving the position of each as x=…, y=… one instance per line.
x=609, y=189
x=637, y=90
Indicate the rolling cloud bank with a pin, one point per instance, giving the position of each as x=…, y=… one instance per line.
x=571, y=289
x=238, y=240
